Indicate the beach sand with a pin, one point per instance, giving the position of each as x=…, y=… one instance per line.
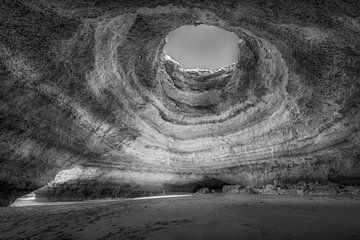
x=200, y=216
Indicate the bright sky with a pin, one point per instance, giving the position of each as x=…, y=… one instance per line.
x=202, y=46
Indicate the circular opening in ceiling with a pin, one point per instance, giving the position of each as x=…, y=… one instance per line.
x=202, y=47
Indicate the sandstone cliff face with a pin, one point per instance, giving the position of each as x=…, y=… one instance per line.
x=87, y=89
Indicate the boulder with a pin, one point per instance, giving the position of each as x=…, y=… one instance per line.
x=232, y=188
x=283, y=191
x=269, y=189
x=279, y=184
x=323, y=190
x=311, y=186
x=203, y=190
x=289, y=186
x=352, y=189
x=248, y=190
x=301, y=185
x=300, y=192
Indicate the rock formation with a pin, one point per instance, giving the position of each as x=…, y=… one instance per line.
x=88, y=97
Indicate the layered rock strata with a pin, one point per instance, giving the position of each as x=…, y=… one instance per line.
x=88, y=95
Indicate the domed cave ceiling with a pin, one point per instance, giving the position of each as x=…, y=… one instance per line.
x=89, y=99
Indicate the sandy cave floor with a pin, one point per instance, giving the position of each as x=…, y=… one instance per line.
x=210, y=216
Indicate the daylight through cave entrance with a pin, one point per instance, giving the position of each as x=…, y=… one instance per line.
x=202, y=47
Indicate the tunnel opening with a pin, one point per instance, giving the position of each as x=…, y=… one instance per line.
x=202, y=47
x=192, y=187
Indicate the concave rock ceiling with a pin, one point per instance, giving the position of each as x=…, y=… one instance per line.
x=88, y=97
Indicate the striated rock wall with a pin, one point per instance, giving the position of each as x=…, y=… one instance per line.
x=86, y=85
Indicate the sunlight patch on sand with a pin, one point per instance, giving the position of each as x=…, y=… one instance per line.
x=30, y=200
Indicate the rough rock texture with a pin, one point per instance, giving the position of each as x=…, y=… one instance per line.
x=231, y=188
x=203, y=190
x=86, y=88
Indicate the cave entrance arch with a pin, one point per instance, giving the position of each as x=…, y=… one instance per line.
x=202, y=47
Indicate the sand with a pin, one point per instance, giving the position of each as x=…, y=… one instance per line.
x=207, y=216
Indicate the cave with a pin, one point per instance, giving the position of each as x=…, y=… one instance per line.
x=202, y=119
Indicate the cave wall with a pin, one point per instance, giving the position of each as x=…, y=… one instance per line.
x=87, y=95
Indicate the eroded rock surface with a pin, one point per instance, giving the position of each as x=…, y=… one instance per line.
x=86, y=88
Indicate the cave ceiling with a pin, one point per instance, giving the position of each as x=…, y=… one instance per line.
x=88, y=93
